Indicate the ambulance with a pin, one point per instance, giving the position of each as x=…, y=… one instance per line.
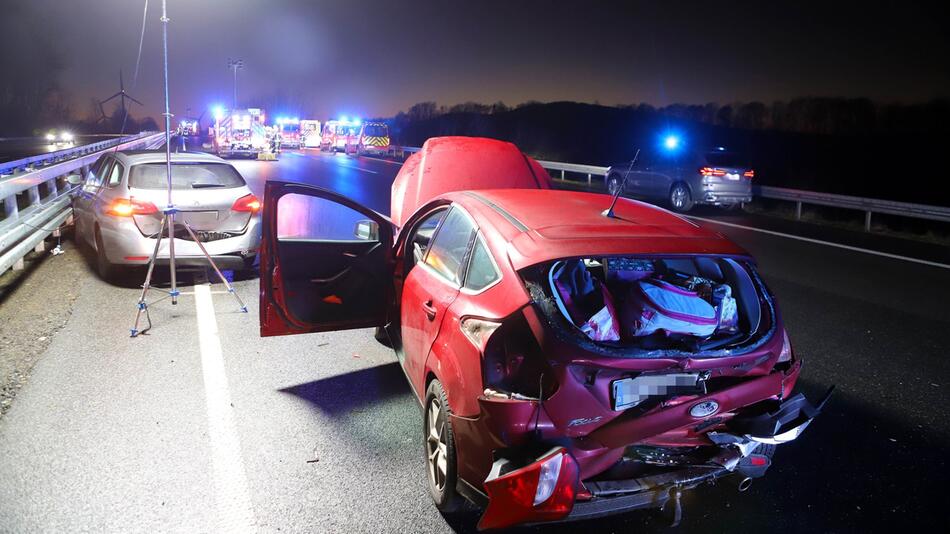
x=373, y=138
x=310, y=135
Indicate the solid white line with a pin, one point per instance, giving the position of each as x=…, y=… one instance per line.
x=391, y=162
x=230, y=482
x=828, y=243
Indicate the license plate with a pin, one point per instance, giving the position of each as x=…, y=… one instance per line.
x=732, y=176
x=629, y=392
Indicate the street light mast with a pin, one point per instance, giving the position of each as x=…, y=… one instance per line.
x=234, y=65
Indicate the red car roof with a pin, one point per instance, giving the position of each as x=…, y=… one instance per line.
x=544, y=225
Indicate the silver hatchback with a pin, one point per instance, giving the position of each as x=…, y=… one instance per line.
x=118, y=210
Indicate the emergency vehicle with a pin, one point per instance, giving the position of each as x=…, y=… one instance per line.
x=310, y=135
x=328, y=134
x=373, y=138
x=239, y=132
x=338, y=134
x=289, y=129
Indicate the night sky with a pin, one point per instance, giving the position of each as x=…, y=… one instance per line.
x=356, y=57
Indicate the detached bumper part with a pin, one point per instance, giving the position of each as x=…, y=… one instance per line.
x=541, y=491
x=782, y=424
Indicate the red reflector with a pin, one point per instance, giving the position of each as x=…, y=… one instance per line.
x=758, y=460
x=749, y=173
x=136, y=258
x=515, y=497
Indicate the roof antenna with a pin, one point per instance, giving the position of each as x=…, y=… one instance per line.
x=609, y=212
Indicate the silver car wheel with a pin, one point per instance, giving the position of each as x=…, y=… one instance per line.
x=436, y=446
x=678, y=197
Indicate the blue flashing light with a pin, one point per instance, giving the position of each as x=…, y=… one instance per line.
x=343, y=119
x=671, y=142
x=356, y=122
x=217, y=112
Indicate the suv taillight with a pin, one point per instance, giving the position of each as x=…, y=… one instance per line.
x=749, y=173
x=247, y=203
x=711, y=171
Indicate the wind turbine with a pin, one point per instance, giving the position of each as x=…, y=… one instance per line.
x=122, y=95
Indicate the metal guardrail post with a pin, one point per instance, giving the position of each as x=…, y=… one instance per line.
x=798, y=210
x=867, y=221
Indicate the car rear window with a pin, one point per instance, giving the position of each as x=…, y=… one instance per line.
x=725, y=159
x=185, y=176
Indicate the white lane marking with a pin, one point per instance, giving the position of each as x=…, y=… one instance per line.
x=828, y=243
x=389, y=161
x=334, y=156
x=230, y=481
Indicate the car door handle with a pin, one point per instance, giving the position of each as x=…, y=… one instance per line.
x=429, y=309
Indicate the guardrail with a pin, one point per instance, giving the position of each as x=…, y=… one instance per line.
x=35, y=195
x=868, y=205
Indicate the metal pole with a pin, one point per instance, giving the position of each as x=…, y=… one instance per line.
x=170, y=209
x=234, y=102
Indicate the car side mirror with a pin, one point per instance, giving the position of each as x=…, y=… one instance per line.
x=367, y=230
x=73, y=179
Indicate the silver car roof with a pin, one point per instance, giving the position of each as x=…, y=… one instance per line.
x=135, y=157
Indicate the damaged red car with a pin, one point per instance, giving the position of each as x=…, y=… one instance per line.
x=569, y=363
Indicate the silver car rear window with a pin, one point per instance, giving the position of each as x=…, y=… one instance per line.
x=185, y=176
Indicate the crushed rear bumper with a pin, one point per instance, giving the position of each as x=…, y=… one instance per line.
x=772, y=423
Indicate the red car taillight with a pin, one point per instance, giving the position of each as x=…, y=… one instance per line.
x=542, y=491
x=127, y=207
x=711, y=171
x=749, y=173
x=247, y=203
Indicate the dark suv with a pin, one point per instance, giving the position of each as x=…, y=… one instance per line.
x=717, y=177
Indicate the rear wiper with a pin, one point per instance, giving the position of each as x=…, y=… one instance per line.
x=198, y=185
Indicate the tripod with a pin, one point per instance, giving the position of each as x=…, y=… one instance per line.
x=168, y=218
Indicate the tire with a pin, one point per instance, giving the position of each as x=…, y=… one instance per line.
x=680, y=198
x=380, y=335
x=105, y=268
x=614, y=181
x=439, y=448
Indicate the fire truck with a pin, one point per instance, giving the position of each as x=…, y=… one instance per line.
x=239, y=132
x=373, y=138
x=289, y=129
x=310, y=135
x=338, y=134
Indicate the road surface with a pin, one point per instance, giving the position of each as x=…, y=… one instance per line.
x=203, y=426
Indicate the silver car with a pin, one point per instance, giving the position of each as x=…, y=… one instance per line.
x=119, y=208
x=716, y=177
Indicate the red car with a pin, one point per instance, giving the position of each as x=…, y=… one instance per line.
x=569, y=364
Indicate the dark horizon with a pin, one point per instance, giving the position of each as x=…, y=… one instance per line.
x=370, y=59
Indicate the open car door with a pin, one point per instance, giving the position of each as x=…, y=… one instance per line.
x=326, y=262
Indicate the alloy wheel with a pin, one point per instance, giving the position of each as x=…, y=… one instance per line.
x=436, y=446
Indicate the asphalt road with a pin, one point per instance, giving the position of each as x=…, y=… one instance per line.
x=204, y=426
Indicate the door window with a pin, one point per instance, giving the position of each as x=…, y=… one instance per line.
x=94, y=180
x=450, y=246
x=115, y=176
x=307, y=218
x=422, y=236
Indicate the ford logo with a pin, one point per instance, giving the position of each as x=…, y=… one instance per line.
x=704, y=409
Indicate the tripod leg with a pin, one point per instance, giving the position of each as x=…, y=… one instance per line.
x=215, y=267
x=171, y=256
x=142, y=306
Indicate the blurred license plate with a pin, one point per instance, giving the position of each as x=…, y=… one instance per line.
x=732, y=176
x=629, y=392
